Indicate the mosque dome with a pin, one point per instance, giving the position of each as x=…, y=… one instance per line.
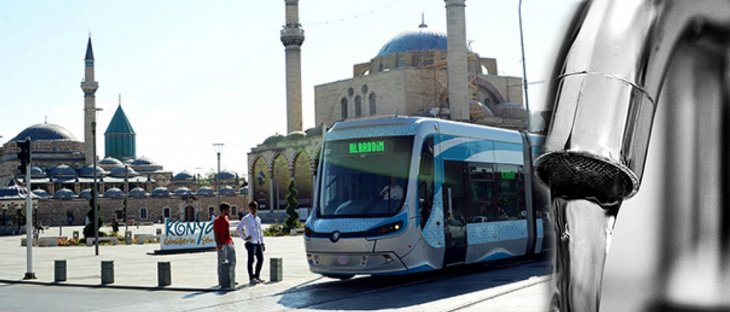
x=37, y=172
x=62, y=171
x=142, y=161
x=121, y=172
x=421, y=39
x=85, y=193
x=41, y=193
x=226, y=175
x=316, y=131
x=228, y=191
x=137, y=192
x=88, y=172
x=183, y=176
x=160, y=192
x=45, y=132
x=111, y=162
x=183, y=191
x=206, y=191
x=63, y=193
x=276, y=138
x=13, y=191
x=295, y=135
x=114, y=193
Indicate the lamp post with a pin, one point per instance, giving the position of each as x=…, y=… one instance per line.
x=95, y=191
x=524, y=66
x=218, y=147
x=126, y=196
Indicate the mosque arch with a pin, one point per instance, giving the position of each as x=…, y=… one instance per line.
x=281, y=181
x=303, y=179
x=358, y=106
x=371, y=100
x=260, y=182
x=343, y=108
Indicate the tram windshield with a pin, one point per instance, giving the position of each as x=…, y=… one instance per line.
x=364, y=177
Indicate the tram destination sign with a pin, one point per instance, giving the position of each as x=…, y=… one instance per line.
x=365, y=147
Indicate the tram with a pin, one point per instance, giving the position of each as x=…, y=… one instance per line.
x=402, y=195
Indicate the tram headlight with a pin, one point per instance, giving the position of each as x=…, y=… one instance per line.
x=385, y=229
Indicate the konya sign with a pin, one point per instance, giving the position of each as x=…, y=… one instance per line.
x=187, y=235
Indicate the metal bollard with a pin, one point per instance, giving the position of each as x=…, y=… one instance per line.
x=164, y=274
x=59, y=271
x=128, y=237
x=158, y=231
x=228, y=280
x=107, y=272
x=276, y=269
x=76, y=235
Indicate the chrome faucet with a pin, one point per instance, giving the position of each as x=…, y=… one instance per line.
x=621, y=56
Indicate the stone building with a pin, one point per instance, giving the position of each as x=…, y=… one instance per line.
x=408, y=76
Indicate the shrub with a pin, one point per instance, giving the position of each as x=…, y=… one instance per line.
x=292, y=219
x=276, y=229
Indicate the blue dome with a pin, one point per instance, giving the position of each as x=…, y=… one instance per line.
x=183, y=176
x=142, y=161
x=112, y=162
x=62, y=171
x=226, y=175
x=40, y=193
x=88, y=172
x=45, y=132
x=243, y=191
x=206, y=191
x=137, y=192
x=160, y=192
x=13, y=192
x=37, y=172
x=114, y=193
x=228, y=191
x=85, y=193
x=183, y=191
x=64, y=193
x=418, y=40
x=120, y=172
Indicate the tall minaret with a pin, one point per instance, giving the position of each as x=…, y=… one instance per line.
x=89, y=87
x=456, y=49
x=292, y=36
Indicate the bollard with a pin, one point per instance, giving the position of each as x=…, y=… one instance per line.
x=228, y=280
x=128, y=237
x=107, y=272
x=158, y=231
x=164, y=277
x=76, y=235
x=59, y=271
x=276, y=269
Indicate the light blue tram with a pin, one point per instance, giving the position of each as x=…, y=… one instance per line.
x=409, y=194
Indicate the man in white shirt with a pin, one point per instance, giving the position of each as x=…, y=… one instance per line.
x=249, y=229
x=392, y=191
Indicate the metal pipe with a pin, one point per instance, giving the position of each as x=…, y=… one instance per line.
x=621, y=55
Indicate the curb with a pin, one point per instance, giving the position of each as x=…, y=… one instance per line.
x=124, y=287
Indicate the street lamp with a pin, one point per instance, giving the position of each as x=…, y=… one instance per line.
x=126, y=196
x=95, y=191
x=524, y=66
x=218, y=147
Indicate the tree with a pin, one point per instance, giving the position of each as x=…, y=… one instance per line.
x=292, y=204
x=89, y=228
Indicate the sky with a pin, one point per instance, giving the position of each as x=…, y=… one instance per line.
x=194, y=73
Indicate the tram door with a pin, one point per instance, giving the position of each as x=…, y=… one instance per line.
x=455, y=205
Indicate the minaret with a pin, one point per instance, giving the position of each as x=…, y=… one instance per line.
x=292, y=36
x=456, y=49
x=89, y=87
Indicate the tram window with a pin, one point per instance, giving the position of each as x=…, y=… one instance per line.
x=481, y=183
x=511, y=192
x=425, y=181
x=454, y=174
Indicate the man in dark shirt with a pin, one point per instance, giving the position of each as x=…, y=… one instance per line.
x=224, y=241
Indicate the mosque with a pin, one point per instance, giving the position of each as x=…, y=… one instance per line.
x=62, y=173
x=417, y=73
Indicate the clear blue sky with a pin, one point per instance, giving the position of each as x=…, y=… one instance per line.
x=192, y=73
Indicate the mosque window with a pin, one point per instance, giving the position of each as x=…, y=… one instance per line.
x=364, y=89
x=358, y=106
x=343, y=105
x=143, y=213
x=234, y=211
x=350, y=91
x=371, y=99
x=166, y=212
x=211, y=212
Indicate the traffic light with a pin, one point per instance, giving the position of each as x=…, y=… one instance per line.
x=24, y=155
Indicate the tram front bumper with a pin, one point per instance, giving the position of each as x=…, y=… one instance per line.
x=354, y=263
